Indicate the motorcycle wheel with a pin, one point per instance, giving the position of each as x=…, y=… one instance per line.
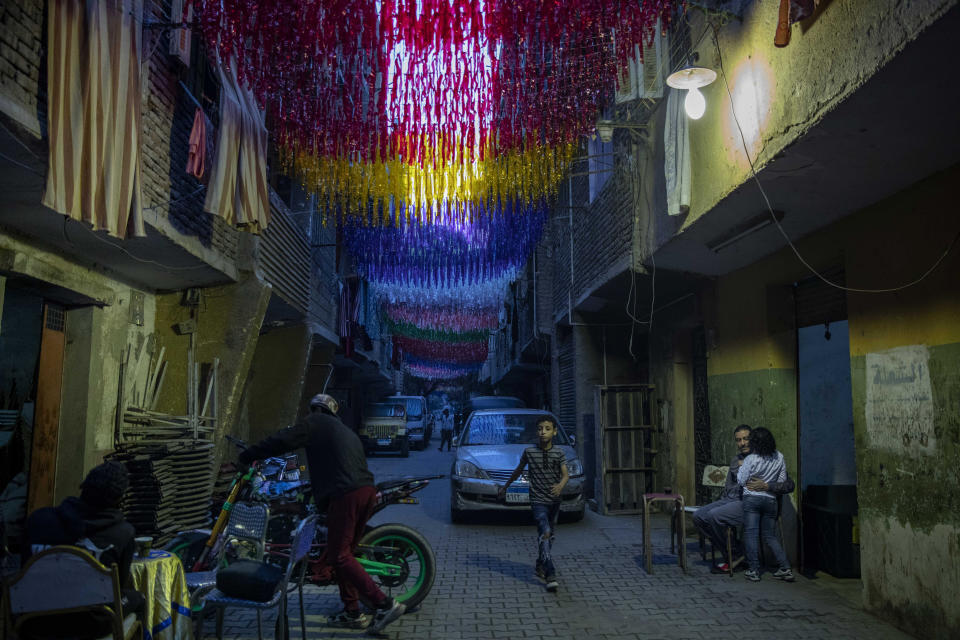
x=188, y=546
x=412, y=551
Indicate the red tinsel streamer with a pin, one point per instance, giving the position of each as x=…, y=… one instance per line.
x=452, y=352
x=341, y=79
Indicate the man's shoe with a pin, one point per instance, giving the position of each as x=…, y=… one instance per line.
x=552, y=584
x=785, y=574
x=347, y=621
x=384, y=616
x=751, y=575
x=439, y=448
x=723, y=567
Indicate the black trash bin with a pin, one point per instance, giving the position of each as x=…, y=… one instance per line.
x=830, y=540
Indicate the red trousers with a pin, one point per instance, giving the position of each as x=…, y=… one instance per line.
x=347, y=516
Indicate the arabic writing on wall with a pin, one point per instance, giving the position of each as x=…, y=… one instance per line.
x=899, y=409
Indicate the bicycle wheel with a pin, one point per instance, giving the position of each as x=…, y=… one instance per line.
x=400, y=545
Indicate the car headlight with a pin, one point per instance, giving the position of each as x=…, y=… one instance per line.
x=574, y=468
x=466, y=469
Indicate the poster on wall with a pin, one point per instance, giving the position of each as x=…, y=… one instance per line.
x=899, y=410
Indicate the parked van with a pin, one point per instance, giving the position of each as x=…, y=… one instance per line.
x=419, y=423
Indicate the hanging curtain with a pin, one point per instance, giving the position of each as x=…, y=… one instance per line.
x=238, y=190
x=676, y=154
x=93, y=89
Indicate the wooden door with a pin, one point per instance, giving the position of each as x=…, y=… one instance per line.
x=46, y=417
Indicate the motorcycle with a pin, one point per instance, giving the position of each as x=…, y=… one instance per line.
x=397, y=557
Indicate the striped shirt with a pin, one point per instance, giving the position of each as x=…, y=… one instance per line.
x=543, y=471
x=768, y=468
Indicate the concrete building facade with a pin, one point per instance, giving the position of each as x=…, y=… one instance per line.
x=843, y=341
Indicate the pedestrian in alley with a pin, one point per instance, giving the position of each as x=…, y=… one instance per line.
x=547, y=472
x=713, y=519
x=766, y=464
x=446, y=429
x=338, y=474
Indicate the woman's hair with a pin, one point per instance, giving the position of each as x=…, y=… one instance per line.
x=762, y=442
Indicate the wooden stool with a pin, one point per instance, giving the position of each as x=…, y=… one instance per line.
x=680, y=539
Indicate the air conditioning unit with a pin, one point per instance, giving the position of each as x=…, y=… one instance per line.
x=180, y=38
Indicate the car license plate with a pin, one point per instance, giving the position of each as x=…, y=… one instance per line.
x=518, y=494
x=383, y=442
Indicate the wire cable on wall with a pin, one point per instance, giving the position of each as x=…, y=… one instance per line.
x=753, y=173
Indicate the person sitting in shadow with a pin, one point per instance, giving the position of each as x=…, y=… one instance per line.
x=95, y=523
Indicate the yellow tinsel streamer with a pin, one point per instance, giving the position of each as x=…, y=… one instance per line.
x=516, y=176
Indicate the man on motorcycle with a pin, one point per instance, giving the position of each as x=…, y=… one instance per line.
x=338, y=473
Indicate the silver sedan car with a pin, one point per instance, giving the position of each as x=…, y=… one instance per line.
x=489, y=449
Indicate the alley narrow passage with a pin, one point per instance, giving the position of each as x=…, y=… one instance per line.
x=485, y=587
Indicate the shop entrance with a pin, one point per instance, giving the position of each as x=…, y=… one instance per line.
x=827, y=461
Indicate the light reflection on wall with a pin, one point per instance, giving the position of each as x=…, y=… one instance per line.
x=752, y=86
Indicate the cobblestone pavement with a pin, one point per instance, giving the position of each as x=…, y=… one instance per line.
x=485, y=587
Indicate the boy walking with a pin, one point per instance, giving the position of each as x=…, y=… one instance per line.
x=548, y=475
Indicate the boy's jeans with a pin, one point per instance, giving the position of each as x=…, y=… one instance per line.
x=760, y=515
x=546, y=517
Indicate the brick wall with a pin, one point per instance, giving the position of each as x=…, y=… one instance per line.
x=167, y=114
x=602, y=234
x=22, y=94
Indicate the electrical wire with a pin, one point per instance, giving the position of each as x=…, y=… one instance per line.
x=753, y=173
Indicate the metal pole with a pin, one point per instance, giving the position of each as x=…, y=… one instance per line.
x=570, y=217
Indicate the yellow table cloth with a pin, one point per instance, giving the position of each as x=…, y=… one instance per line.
x=162, y=581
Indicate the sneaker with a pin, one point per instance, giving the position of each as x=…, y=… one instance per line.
x=384, y=616
x=751, y=575
x=348, y=620
x=785, y=574
x=552, y=584
x=723, y=567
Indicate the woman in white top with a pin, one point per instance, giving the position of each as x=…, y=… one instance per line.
x=760, y=507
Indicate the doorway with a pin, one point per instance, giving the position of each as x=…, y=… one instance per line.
x=32, y=342
x=827, y=470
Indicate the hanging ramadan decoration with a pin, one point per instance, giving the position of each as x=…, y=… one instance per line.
x=435, y=133
x=427, y=101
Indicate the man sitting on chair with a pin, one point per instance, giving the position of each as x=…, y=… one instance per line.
x=714, y=518
x=95, y=523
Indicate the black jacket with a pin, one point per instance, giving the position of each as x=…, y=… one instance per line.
x=74, y=520
x=338, y=463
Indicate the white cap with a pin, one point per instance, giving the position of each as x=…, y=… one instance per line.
x=325, y=401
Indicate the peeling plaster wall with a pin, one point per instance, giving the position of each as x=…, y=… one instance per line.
x=276, y=380
x=779, y=94
x=228, y=321
x=907, y=422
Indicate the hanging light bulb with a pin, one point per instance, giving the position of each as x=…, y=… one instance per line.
x=691, y=79
x=695, y=104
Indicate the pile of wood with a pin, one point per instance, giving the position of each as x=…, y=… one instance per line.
x=169, y=486
x=169, y=457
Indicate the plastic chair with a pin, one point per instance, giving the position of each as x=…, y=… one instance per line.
x=302, y=540
x=248, y=523
x=64, y=580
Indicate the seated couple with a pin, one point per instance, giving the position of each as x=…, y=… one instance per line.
x=749, y=498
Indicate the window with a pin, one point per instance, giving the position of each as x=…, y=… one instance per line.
x=599, y=165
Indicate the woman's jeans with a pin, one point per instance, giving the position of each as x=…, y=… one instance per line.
x=546, y=517
x=760, y=518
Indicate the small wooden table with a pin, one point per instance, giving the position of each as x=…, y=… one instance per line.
x=681, y=530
